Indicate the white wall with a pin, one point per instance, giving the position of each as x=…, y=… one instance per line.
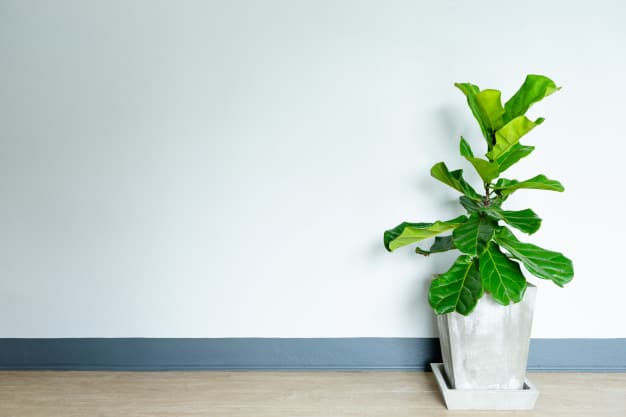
x=226, y=169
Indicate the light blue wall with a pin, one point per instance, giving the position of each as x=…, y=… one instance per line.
x=226, y=169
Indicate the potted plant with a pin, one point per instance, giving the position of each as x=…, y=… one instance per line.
x=483, y=302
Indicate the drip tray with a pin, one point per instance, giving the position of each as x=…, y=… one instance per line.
x=484, y=399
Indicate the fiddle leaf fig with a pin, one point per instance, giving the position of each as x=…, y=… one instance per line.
x=500, y=276
x=540, y=262
x=515, y=153
x=465, y=149
x=482, y=266
x=534, y=89
x=510, y=134
x=458, y=289
x=470, y=91
x=491, y=109
x=472, y=206
x=407, y=233
x=454, y=179
x=441, y=244
x=472, y=236
x=540, y=182
x=525, y=220
x=486, y=169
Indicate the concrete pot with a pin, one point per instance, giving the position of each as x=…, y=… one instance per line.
x=488, y=350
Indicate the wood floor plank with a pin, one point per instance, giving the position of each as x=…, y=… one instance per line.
x=288, y=393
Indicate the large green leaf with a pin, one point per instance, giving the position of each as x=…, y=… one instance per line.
x=514, y=154
x=459, y=289
x=441, y=244
x=454, y=179
x=470, y=91
x=407, y=233
x=540, y=262
x=487, y=170
x=525, y=220
x=510, y=134
x=500, y=276
x=490, y=107
x=472, y=236
x=540, y=182
x=534, y=89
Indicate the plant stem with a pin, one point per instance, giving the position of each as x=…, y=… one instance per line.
x=486, y=200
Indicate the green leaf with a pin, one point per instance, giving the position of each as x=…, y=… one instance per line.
x=470, y=91
x=510, y=134
x=540, y=182
x=487, y=170
x=525, y=220
x=472, y=236
x=534, y=89
x=454, y=179
x=407, y=233
x=500, y=276
x=472, y=206
x=490, y=107
x=441, y=244
x=540, y=262
x=459, y=289
x=478, y=206
x=514, y=154
x=465, y=149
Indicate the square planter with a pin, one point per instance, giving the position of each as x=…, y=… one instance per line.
x=488, y=349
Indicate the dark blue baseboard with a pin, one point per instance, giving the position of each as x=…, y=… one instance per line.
x=153, y=354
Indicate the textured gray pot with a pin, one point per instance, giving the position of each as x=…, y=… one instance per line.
x=489, y=348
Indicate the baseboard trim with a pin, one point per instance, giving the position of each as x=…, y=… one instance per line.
x=162, y=354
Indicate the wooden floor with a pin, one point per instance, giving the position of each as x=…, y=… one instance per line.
x=259, y=394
